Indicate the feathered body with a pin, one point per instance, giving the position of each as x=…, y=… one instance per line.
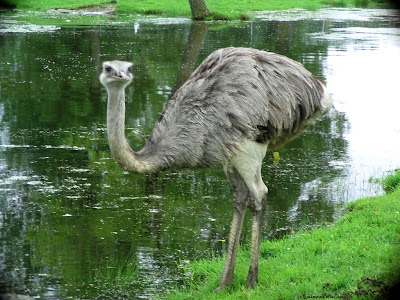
x=237, y=103
x=235, y=94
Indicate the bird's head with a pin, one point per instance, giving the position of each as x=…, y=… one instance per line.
x=116, y=74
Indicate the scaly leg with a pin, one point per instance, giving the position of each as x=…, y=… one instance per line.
x=256, y=232
x=240, y=198
x=248, y=165
x=244, y=174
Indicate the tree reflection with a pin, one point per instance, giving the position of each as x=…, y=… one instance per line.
x=198, y=31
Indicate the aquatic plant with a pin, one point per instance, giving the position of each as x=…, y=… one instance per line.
x=391, y=182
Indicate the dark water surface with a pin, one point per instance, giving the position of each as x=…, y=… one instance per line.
x=73, y=225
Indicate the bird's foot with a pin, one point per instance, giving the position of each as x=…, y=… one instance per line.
x=252, y=278
x=223, y=284
x=218, y=289
x=225, y=281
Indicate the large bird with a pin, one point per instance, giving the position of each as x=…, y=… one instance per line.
x=235, y=105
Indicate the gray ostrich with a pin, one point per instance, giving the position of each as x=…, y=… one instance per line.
x=235, y=105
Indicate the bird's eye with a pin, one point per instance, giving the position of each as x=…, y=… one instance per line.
x=130, y=69
x=108, y=69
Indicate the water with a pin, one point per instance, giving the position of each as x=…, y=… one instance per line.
x=73, y=225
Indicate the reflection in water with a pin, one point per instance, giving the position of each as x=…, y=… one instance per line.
x=72, y=224
x=366, y=90
x=198, y=31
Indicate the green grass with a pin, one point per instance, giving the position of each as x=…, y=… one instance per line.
x=114, y=279
x=50, y=4
x=220, y=9
x=392, y=182
x=358, y=257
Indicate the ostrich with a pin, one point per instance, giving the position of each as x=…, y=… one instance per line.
x=238, y=102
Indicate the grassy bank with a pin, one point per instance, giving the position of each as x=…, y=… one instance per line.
x=221, y=9
x=358, y=257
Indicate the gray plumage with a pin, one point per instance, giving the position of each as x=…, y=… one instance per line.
x=238, y=102
x=235, y=93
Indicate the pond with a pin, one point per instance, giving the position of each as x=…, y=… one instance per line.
x=74, y=225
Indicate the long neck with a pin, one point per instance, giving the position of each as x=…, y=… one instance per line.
x=120, y=149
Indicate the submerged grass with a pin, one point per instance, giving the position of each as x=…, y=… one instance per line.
x=220, y=9
x=358, y=257
x=115, y=279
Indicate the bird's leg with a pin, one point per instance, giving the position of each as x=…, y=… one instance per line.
x=244, y=174
x=258, y=210
x=248, y=165
x=240, y=198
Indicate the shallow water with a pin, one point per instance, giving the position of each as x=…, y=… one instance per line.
x=73, y=225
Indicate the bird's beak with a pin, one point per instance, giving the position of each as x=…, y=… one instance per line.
x=124, y=76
